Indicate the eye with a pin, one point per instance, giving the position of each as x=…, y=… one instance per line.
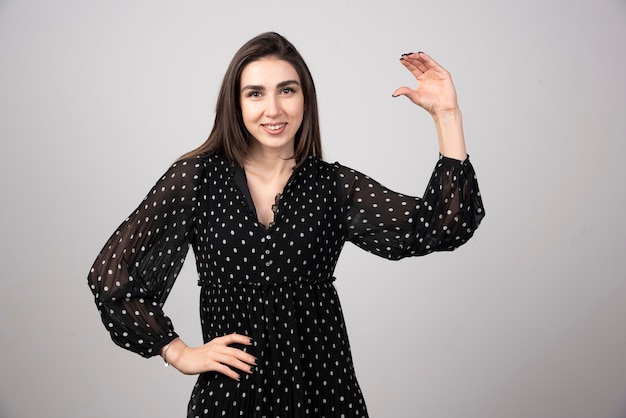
x=288, y=90
x=254, y=93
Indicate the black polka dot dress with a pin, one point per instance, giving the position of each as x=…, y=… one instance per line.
x=274, y=283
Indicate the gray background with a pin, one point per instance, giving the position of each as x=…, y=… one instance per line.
x=527, y=320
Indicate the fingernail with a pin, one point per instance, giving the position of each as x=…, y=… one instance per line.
x=407, y=54
x=420, y=52
x=394, y=95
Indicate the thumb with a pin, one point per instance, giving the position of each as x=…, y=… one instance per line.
x=402, y=91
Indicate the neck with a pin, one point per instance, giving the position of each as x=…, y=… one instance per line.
x=269, y=163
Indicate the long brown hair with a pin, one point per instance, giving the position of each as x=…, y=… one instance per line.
x=229, y=135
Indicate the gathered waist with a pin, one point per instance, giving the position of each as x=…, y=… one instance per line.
x=217, y=282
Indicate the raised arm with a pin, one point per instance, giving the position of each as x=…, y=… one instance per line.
x=394, y=226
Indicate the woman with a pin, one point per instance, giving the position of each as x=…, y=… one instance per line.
x=267, y=219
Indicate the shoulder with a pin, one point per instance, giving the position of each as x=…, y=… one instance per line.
x=202, y=161
x=316, y=168
x=217, y=160
x=319, y=165
x=190, y=173
x=198, y=166
x=347, y=173
x=332, y=170
x=186, y=168
x=334, y=174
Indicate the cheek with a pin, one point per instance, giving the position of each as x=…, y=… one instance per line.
x=248, y=111
x=297, y=108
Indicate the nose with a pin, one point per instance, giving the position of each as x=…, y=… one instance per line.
x=272, y=108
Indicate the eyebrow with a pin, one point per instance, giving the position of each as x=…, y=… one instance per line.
x=278, y=86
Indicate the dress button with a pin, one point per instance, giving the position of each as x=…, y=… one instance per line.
x=268, y=263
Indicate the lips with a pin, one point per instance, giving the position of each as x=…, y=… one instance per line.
x=274, y=129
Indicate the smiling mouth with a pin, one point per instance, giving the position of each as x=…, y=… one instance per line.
x=275, y=127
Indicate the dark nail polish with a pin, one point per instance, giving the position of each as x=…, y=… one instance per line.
x=407, y=54
x=394, y=95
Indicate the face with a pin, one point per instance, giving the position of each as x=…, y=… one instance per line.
x=272, y=105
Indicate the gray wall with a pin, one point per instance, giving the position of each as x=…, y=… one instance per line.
x=527, y=320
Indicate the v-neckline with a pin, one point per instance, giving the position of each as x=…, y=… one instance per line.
x=241, y=180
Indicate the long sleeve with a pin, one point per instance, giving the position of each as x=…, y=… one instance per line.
x=134, y=272
x=394, y=226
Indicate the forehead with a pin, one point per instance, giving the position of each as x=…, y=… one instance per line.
x=270, y=70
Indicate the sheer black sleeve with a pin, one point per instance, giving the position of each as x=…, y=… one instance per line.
x=394, y=226
x=134, y=272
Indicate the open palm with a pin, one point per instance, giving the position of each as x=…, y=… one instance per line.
x=435, y=90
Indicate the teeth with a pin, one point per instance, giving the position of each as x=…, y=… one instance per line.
x=274, y=127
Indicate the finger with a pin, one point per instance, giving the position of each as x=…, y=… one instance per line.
x=219, y=352
x=416, y=59
x=234, y=362
x=431, y=63
x=239, y=365
x=234, y=339
x=227, y=371
x=426, y=59
x=239, y=355
x=413, y=65
x=402, y=91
